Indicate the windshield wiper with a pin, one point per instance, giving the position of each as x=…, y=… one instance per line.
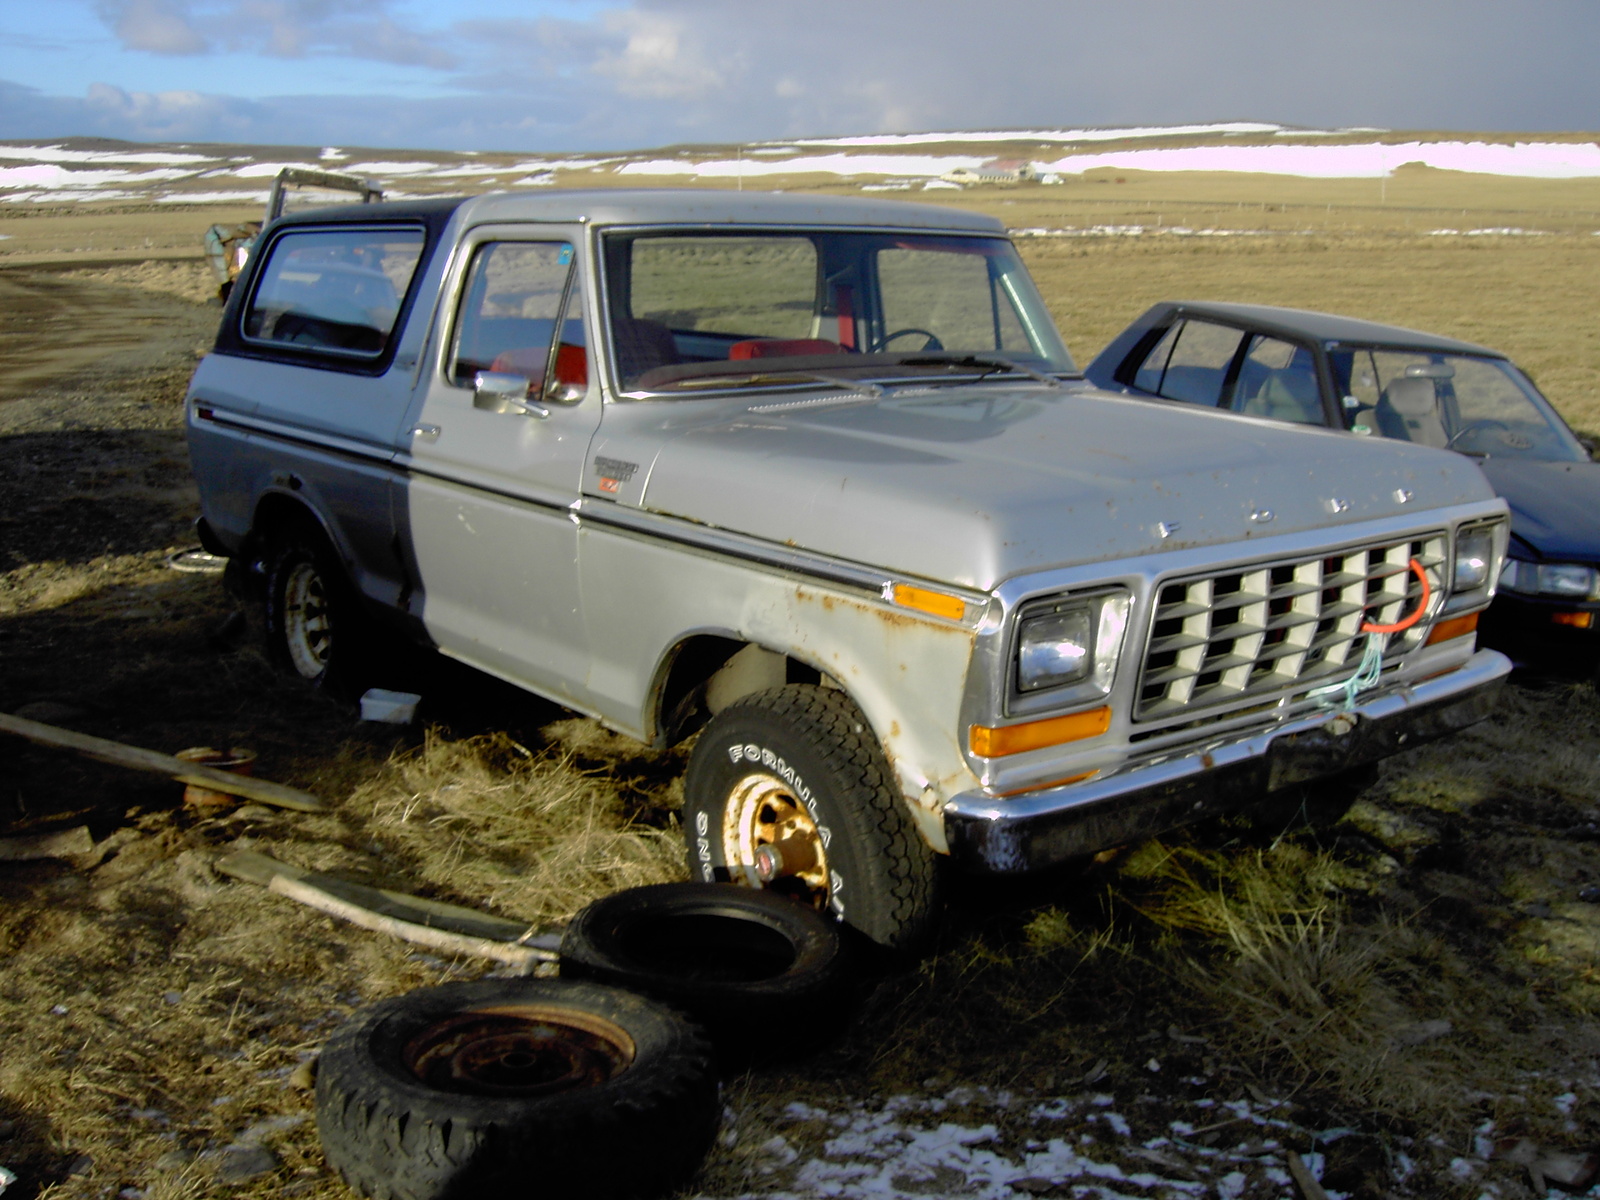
x=860, y=387
x=994, y=362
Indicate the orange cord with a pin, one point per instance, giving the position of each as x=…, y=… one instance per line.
x=1422, y=606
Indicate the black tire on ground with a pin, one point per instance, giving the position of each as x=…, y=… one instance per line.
x=527, y=1088
x=788, y=789
x=314, y=622
x=764, y=974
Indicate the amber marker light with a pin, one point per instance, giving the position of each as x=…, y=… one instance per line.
x=937, y=604
x=1455, y=627
x=997, y=742
x=1578, y=620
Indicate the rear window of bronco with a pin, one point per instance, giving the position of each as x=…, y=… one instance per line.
x=336, y=290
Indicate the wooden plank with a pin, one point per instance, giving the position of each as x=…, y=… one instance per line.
x=401, y=907
x=119, y=754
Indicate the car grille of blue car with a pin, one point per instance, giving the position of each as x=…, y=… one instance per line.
x=1223, y=640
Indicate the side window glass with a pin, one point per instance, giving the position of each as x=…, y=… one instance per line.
x=1199, y=363
x=507, y=319
x=1148, y=377
x=337, y=290
x=1278, y=379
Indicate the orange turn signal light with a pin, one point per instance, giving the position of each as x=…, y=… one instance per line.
x=1578, y=620
x=997, y=742
x=937, y=604
x=1455, y=627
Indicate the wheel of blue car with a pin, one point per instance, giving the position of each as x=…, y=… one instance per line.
x=315, y=625
x=755, y=968
x=516, y=1087
x=789, y=790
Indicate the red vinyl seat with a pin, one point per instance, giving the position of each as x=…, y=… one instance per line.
x=781, y=347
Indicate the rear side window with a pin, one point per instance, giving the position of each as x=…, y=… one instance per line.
x=335, y=290
x=1190, y=363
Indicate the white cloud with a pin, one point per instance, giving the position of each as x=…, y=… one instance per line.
x=659, y=59
x=156, y=26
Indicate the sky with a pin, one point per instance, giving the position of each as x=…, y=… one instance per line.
x=559, y=75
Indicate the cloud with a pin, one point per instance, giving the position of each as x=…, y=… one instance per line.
x=155, y=26
x=647, y=72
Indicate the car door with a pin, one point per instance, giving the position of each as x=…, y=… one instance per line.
x=485, y=515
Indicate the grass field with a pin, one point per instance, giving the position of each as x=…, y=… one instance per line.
x=1406, y=994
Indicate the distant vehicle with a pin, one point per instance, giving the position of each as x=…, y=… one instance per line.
x=228, y=246
x=1385, y=381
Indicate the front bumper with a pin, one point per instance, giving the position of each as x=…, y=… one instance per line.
x=1150, y=797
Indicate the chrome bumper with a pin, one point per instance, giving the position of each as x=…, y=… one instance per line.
x=1147, y=798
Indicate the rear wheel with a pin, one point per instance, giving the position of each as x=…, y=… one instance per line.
x=788, y=790
x=315, y=626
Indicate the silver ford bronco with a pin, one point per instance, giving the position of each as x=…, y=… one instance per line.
x=816, y=480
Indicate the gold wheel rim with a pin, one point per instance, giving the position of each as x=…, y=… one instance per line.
x=771, y=841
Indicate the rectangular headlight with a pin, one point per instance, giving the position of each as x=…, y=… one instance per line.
x=1474, y=558
x=1069, y=642
x=1566, y=579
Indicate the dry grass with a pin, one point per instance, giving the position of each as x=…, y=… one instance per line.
x=531, y=834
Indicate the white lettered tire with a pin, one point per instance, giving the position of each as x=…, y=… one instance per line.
x=789, y=790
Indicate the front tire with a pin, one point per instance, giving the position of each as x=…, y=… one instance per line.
x=789, y=790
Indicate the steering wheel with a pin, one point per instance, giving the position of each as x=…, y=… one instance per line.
x=933, y=342
x=1476, y=427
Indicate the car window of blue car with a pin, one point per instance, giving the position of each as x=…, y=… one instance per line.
x=1477, y=405
x=1190, y=363
x=1278, y=379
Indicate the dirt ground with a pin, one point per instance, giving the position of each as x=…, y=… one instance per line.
x=1401, y=1001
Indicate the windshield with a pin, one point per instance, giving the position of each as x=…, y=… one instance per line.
x=1482, y=406
x=692, y=309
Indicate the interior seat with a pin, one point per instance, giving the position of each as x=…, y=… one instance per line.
x=642, y=346
x=1413, y=401
x=1287, y=395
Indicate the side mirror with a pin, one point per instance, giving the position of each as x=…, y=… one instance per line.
x=499, y=392
x=565, y=393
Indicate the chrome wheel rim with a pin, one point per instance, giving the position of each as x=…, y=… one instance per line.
x=307, y=623
x=771, y=841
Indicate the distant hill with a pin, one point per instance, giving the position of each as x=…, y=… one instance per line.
x=76, y=169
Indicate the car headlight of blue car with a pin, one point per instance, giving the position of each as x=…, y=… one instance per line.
x=1566, y=581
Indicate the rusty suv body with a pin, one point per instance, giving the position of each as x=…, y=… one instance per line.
x=797, y=474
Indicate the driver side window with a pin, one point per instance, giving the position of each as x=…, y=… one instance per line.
x=508, y=316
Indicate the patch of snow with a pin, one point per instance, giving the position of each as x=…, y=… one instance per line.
x=60, y=154
x=213, y=198
x=1372, y=160
x=1565, y=1103
x=817, y=164
x=330, y=153
x=1043, y=135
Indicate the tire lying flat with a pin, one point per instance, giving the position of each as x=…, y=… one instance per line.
x=764, y=974
x=525, y=1088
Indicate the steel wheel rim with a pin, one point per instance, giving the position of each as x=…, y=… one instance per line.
x=518, y=1050
x=307, y=623
x=771, y=841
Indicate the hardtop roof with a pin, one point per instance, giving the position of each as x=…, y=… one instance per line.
x=674, y=206
x=1326, y=327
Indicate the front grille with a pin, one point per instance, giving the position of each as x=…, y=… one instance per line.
x=1261, y=630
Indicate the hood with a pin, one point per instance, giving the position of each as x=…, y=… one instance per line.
x=974, y=484
x=1555, y=506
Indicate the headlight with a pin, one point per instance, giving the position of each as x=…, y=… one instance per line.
x=1070, y=641
x=1474, y=558
x=1571, y=581
x=1055, y=649
x=1566, y=579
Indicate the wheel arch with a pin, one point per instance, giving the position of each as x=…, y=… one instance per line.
x=705, y=671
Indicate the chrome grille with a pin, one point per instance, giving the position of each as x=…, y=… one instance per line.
x=1263, y=629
